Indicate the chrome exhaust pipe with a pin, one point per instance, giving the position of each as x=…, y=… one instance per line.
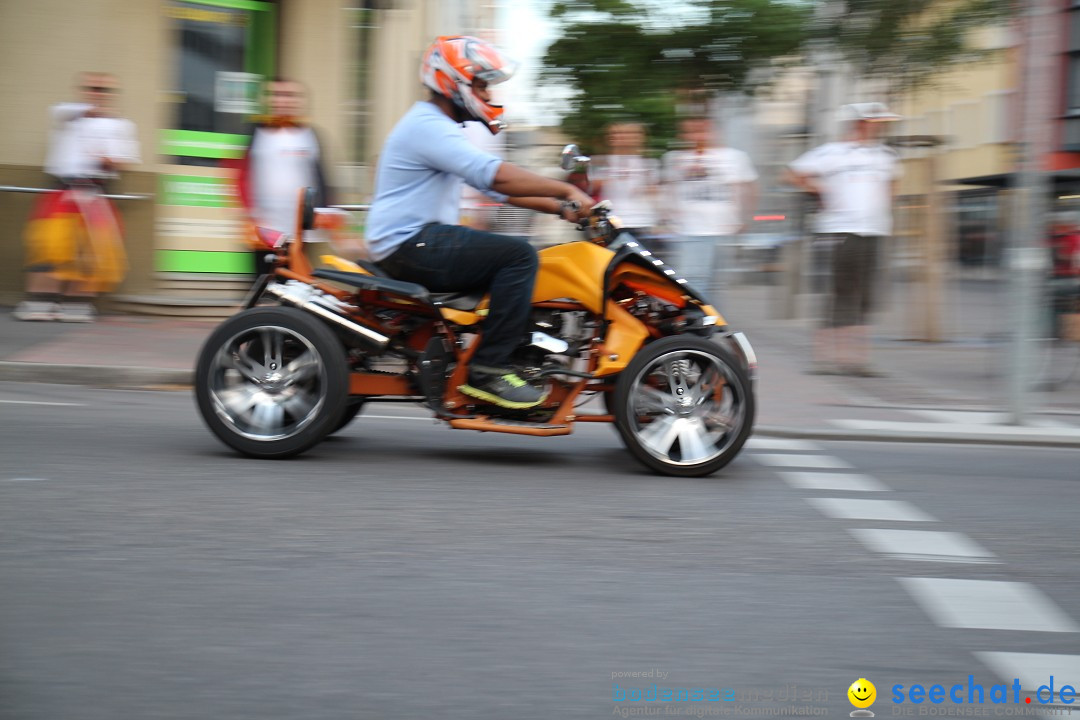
x=327, y=307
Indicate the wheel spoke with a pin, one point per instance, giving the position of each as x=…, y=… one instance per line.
x=654, y=400
x=707, y=384
x=238, y=401
x=692, y=441
x=272, y=343
x=299, y=405
x=660, y=434
x=268, y=415
x=302, y=368
x=238, y=360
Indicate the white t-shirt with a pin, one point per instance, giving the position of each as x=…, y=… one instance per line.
x=282, y=161
x=856, y=186
x=79, y=143
x=629, y=182
x=703, y=189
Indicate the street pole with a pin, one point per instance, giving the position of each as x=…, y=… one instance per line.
x=1026, y=257
x=933, y=254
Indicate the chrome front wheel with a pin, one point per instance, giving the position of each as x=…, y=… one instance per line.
x=684, y=406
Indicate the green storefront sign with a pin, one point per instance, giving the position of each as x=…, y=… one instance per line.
x=192, y=143
x=195, y=191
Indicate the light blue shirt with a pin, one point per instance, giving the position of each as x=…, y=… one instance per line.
x=419, y=177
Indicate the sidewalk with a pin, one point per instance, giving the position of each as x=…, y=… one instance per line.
x=938, y=393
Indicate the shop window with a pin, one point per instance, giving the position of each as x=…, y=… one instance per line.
x=223, y=51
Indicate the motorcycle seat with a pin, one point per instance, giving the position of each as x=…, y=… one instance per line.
x=458, y=300
x=466, y=301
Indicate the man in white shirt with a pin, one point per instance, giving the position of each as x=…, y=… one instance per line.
x=73, y=240
x=855, y=181
x=628, y=179
x=711, y=190
x=283, y=155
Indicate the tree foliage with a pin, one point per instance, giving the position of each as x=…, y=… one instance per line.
x=631, y=59
x=626, y=59
x=906, y=42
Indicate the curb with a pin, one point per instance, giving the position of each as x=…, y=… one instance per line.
x=95, y=375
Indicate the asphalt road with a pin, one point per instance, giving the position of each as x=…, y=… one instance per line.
x=404, y=570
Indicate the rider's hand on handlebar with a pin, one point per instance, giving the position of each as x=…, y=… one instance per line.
x=583, y=203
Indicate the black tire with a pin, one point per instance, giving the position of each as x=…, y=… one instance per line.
x=712, y=436
x=296, y=394
x=352, y=409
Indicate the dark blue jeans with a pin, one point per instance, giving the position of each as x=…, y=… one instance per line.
x=451, y=258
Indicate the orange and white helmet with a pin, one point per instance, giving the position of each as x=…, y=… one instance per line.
x=452, y=63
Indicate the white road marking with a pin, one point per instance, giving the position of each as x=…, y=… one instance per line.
x=833, y=481
x=24, y=480
x=1033, y=670
x=988, y=605
x=41, y=402
x=362, y=416
x=769, y=443
x=975, y=417
x=853, y=509
x=934, y=545
x=960, y=431
x=802, y=461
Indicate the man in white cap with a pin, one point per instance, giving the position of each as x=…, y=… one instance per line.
x=855, y=181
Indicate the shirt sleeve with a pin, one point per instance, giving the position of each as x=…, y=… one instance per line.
x=449, y=151
x=746, y=171
x=811, y=162
x=66, y=112
x=124, y=145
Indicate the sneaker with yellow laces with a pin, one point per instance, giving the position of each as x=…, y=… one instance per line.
x=502, y=387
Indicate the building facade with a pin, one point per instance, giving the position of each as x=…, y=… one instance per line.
x=190, y=72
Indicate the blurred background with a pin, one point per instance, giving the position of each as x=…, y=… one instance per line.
x=769, y=74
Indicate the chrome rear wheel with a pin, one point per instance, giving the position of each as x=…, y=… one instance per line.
x=272, y=382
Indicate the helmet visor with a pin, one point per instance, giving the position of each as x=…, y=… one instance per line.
x=496, y=75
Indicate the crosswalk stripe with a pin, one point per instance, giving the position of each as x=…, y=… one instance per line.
x=801, y=461
x=978, y=417
x=971, y=429
x=936, y=545
x=987, y=605
x=832, y=481
x=858, y=509
x=769, y=443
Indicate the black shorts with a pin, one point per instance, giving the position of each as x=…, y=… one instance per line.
x=854, y=279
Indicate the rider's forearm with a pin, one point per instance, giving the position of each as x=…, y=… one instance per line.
x=539, y=204
x=520, y=183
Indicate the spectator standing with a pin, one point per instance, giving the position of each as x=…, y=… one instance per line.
x=74, y=240
x=628, y=179
x=855, y=180
x=283, y=156
x=711, y=189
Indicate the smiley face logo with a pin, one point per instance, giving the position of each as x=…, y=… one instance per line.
x=862, y=693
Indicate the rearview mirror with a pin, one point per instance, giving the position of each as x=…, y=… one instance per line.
x=572, y=157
